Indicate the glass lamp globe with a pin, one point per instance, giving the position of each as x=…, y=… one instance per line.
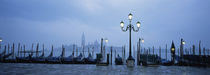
x=1, y=39
x=121, y=24
x=183, y=42
x=172, y=49
x=106, y=40
x=142, y=40
x=138, y=24
x=130, y=16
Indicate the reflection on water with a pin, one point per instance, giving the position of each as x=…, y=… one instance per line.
x=73, y=69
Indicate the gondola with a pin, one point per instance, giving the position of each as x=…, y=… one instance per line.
x=68, y=60
x=40, y=59
x=78, y=59
x=24, y=59
x=52, y=60
x=166, y=62
x=89, y=59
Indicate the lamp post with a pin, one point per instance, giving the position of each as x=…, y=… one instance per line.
x=130, y=61
x=182, y=47
x=173, y=52
x=140, y=40
x=103, y=51
x=139, y=50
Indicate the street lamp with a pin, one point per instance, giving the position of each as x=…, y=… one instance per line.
x=130, y=16
x=106, y=40
x=139, y=50
x=183, y=42
x=130, y=61
x=141, y=40
x=103, y=51
x=182, y=47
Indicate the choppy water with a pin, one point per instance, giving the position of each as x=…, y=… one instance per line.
x=71, y=69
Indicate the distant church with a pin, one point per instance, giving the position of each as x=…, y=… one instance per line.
x=94, y=44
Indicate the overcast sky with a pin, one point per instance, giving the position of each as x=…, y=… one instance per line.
x=63, y=21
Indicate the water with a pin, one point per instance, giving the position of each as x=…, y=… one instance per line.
x=74, y=69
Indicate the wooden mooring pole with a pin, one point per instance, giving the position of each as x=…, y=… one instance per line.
x=111, y=55
x=18, y=50
x=166, y=51
x=193, y=49
x=8, y=48
x=138, y=55
x=37, y=50
x=160, y=52
x=21, y=48
x=199, y=48
x=153, y=49
x=24, y=48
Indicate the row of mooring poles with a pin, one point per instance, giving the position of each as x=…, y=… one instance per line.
x=9, y=50
x=148, y=51
x=205, y=51
x=20, y=48
x=191, y=50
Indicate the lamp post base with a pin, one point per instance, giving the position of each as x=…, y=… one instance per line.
x=130, y=61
